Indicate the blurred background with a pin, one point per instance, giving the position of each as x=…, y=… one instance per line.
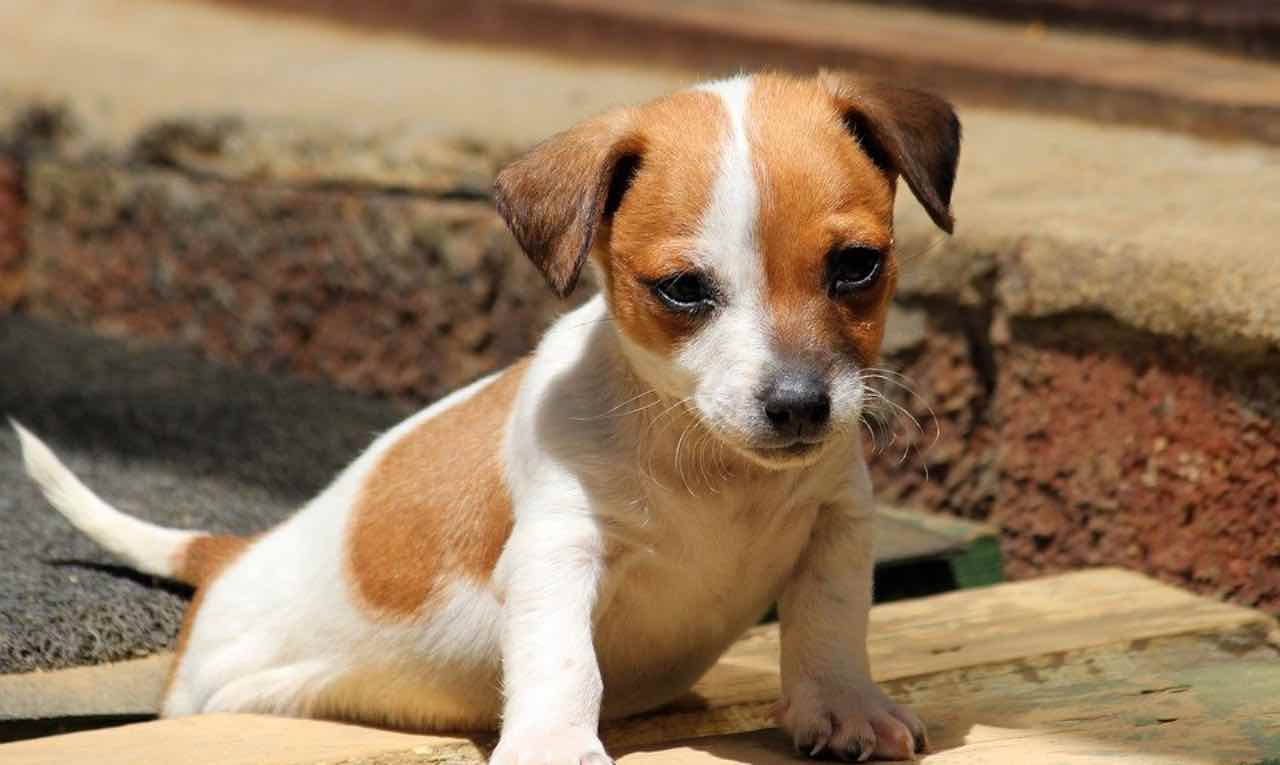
x=238, y=238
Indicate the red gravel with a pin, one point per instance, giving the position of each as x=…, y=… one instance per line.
x=1101, y=446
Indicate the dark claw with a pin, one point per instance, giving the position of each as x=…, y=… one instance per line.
x=854, y=752
x=922, y=742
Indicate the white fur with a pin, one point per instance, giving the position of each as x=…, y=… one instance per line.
x=732, y=354
x=644, y=543
x=144, y=546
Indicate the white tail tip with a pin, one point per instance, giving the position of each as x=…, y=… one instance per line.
x=144, y=546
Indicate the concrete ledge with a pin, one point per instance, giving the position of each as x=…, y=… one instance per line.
x=311, y=155
x=1163, y=233
x=1065, y=222
x=1160, y=232
x=1055, y=71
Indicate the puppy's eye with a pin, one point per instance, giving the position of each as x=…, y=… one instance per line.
x=851, y=270
x=688, y=292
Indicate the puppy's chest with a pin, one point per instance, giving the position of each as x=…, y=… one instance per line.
x=724, y=554
x=701, y=571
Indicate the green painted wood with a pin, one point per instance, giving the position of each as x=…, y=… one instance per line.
x=971, y=550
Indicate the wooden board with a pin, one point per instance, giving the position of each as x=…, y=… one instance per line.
x=1100, y=664
x=120, y=688
x=1189, y=699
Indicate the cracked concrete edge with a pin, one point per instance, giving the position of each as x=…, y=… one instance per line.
x=34, y=124
x=1231, y=310
x=297, y=153
x=400, y=158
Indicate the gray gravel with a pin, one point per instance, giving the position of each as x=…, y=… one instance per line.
x=161, y=435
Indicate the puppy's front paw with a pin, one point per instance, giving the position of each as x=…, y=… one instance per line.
x=561, y=746
x=850, y=723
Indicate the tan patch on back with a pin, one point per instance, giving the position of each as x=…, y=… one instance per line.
x=436, y=506
x=653, y=230
x=817, y=191
x=205, y=557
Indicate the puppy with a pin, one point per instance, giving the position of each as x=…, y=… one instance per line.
x=581, y=535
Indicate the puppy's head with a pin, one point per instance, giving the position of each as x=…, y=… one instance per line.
x=744, y=235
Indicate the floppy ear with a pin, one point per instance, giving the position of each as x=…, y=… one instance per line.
x=906, y=132
x=556, y=197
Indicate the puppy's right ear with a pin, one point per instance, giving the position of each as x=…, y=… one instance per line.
x=906, y=132
x=557, y=196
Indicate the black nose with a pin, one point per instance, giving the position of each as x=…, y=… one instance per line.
x=797, y=405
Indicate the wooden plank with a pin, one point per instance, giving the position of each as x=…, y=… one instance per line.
x=119, y=688
x=951, y=642
x=1183, y=700
x=1015, y=620
x=970, y=628
x=226, y=740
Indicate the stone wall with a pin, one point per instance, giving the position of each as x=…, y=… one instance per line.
x=379, y=265
x=1089, y=443
x=380, y=293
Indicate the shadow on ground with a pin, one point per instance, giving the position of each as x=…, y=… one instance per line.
x=165, y=436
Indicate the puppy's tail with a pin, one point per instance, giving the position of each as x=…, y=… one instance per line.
x=186, y=556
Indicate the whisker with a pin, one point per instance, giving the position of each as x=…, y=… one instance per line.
x=700, y=450
x=875, y=446
x=589, y=322
x=905, y=259
x=649, y=430
x=680, y=465
x=613, y=412
x=902, y=382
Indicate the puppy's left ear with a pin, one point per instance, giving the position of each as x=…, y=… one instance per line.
x=906, y=132
x=556, y=197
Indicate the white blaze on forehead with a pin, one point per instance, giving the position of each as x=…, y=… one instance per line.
x=727, y=232
x=730, y=356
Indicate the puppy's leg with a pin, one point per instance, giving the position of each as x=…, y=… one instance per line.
x=552, y=569
x=829, y=702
